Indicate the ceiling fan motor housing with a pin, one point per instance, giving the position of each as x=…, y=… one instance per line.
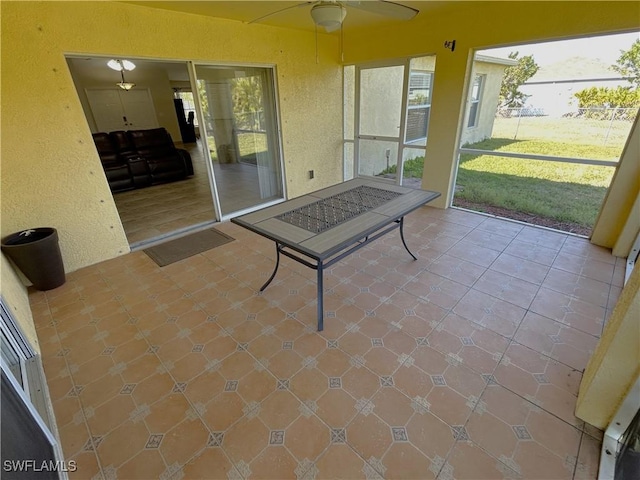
x=328, y=15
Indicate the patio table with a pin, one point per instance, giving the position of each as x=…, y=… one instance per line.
x=323, y=227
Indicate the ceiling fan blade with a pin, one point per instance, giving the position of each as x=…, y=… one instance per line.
x=303, y=4
x=384, y=8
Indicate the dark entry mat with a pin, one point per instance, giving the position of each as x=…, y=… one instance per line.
x=187, y=246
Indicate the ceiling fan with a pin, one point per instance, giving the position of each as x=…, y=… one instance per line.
x=330, y=14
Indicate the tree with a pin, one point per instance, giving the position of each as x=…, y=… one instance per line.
x=628, y=64
x=514, y=77
x=247, y=102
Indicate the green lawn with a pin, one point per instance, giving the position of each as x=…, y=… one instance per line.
x=249, y=143
x=563, y=192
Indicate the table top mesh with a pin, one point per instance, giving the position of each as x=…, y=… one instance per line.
x=331, y=211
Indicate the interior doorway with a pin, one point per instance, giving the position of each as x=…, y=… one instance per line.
x=149, y=211
x=183, y=146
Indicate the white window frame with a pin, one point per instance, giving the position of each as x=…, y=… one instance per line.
x=36, y=400
x=427, y=105
x=472, y=122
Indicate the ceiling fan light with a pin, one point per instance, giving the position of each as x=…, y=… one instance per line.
x=329, y=16
x=126, y=85
x=119, y=65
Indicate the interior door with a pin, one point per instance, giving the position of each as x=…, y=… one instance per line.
x=379, y=120
x=138, y=109
x=116, y=109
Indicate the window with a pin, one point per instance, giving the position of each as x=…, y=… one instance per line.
x=188, y=105
x=419, y=104
x=476, y=93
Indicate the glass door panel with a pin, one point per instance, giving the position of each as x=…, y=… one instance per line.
x=379, y=120
x=418, y=109
x=240, y=126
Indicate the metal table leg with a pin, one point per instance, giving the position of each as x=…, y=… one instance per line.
x=402, y=238
x=274, y=270
x=320, y=296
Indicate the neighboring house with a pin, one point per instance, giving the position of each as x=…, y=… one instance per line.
x=482, y=104
x=552, y=89
x=483, y=99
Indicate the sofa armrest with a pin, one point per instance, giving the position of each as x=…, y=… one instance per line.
x=139, y=171
x=186, y=158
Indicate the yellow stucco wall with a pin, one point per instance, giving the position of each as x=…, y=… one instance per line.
x=17, y=301
x=51, y=175
x=615, y=364
x=618, y=221
x=477, y=25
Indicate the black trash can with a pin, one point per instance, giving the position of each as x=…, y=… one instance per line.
x=37, y=254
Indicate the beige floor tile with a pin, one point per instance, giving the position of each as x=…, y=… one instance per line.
x=491, y=312
x=479, y=348
x=527, y=439
x=468, y=461
x=569, y=310
x=556, y=340
x=187, y=371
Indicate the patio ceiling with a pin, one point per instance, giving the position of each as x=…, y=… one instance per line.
x=294, y=18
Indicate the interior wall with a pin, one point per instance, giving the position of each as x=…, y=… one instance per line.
x=152, y=77
x=477, y=25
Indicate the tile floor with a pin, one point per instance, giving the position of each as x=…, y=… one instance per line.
x=463, y=364
x=152, y=212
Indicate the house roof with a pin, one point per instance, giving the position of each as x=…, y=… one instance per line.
x=501, y=61
x=575, y=68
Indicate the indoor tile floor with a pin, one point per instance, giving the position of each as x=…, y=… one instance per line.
x=463, y=364
x=154, y=212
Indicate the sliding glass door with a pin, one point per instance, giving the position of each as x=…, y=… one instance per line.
x=238, y=115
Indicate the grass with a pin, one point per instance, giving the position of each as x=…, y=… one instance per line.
x=249, y=143
x=562, y=192
x=582, y=132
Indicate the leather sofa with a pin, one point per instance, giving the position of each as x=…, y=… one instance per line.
x=139, y=158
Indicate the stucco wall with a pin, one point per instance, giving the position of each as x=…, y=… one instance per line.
x=615, y=364
x=17, y=301
x=51, y=173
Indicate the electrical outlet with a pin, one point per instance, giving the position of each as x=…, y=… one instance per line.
x=311, y=174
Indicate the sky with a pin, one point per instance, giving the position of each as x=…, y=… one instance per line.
x=605, y=48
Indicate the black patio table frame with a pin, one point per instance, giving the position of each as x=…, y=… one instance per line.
x=329, y=244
